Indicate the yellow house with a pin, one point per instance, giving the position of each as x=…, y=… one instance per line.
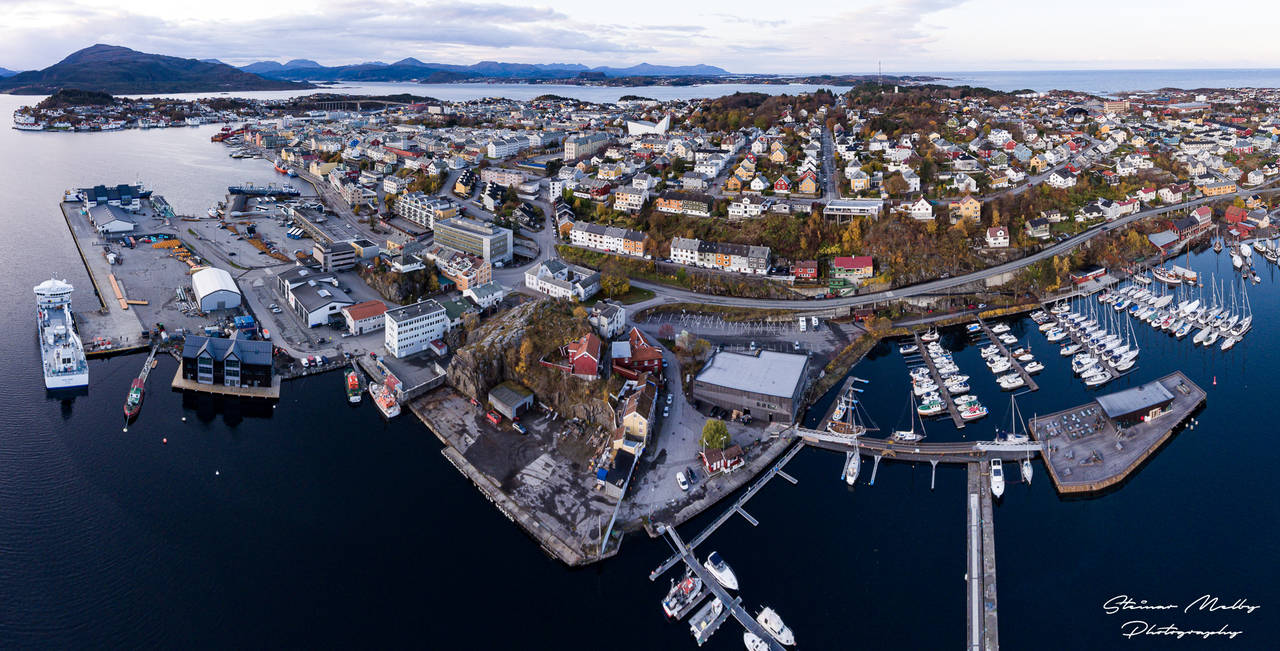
x=778, y=155
x=733, y=184
x=1037, y=164
x=1217, y=188
x=966, y=208
x=637, y=413
x=808, y=185
x=321, y=168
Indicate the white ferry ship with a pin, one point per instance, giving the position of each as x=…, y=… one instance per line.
x=65, y=366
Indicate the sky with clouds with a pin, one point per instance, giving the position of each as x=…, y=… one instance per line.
x=836, y=36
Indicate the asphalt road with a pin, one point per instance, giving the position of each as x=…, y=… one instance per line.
x=669, y=295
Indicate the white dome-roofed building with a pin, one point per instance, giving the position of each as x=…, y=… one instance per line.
x=215, y=290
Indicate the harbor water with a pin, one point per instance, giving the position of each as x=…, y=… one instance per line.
x=316, y=523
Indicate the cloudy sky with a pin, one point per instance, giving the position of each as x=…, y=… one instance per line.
x=739, y=35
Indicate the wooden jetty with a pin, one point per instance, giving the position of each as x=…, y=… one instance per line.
x=1004, y=350
x=942, y=386
x=733, y=606
x=775, y=469
x=271, y=393
x=1087, y=451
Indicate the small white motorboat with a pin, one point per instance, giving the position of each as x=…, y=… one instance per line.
x=721, y=570
x=997, y=477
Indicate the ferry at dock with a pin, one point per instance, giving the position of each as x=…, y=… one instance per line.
x=61, y=350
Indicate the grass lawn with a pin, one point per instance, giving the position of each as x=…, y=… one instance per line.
x=636, y=295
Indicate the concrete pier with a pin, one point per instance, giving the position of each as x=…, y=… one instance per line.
x=1086, y=451
x=982, y=622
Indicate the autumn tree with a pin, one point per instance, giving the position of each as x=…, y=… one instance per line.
x=715, y=434
x=615, y=285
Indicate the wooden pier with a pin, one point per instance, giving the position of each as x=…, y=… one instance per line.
x=775, y=469
x=982, y=621
x=1004, y=350
x=942, y=386
x=270, y=393
x=731, y=605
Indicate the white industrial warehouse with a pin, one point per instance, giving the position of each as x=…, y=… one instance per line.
x=215, y=289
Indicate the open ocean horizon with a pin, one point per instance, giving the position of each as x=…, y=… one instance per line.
x=1106, y=82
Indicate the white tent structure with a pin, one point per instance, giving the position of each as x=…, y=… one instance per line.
x=215, y=290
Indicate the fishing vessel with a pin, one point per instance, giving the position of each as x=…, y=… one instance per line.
x=704, y=618
x=684, y=594
x=997, y=477
x=721, y=571
x=384, y=396
x=133, y=402
x=353, y=386
x=772, y=623
x=61, y=351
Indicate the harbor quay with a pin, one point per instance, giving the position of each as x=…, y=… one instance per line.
x=1099, y=444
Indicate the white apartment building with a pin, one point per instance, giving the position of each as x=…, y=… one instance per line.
x=412, y=328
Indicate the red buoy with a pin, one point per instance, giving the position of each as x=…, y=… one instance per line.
x=165, y=441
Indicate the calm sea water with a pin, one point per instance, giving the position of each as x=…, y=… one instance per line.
x=317, y=524
x=1103, y=82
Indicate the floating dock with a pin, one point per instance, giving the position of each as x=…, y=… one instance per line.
x=1004, y=350
x=1088, y=451
x=942, y=386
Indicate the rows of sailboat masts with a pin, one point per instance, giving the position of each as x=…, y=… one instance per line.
x=1219, y=315
x=1102, y=345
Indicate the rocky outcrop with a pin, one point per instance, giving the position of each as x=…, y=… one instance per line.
x=508, y=346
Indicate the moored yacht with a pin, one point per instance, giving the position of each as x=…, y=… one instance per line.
x=997, y=477
x=772, y=623
x=721, y=571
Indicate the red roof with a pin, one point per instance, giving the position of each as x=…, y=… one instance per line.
x=365, y=310
x=852, y=262
x=1235, y=214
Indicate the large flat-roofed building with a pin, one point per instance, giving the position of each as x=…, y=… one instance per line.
x=412, y=328
x=335, y=256
x=842, y=210
x=1136, y=404
x=493, y=243
x=765, y=384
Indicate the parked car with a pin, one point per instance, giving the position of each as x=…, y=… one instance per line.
x=681, y=481
x=519, y=428
x=668, y=398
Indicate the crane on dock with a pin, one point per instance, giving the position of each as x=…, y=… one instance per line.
x=133, y=401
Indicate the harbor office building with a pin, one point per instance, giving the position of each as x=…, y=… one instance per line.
x=1137, y=404
x=226, y=362
x=763, y=384
x=412, y=328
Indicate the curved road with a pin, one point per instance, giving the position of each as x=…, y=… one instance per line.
x=670, y=294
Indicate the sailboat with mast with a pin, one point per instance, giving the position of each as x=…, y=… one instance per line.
x=910, y=435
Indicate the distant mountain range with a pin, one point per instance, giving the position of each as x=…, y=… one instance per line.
x=413, y=69
x=5, y=72
x=120, y=70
